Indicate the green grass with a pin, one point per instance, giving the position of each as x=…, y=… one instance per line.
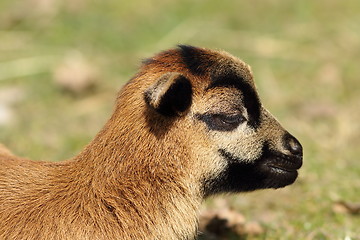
x=305, y=56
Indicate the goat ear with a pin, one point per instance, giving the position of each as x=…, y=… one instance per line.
x=170, y=95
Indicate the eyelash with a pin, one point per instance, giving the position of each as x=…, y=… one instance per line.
x=222, y=122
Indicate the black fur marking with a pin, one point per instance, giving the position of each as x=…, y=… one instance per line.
x=177, y=98
x=195, y=59
x=251, y=99
x=243, y=176
x=158, y=125
x=221, y=122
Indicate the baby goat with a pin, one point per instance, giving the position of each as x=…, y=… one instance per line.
x=189, y=124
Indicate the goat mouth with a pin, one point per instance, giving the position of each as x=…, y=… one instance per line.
x=284, y=164
x=281, y=169
x=271, y=170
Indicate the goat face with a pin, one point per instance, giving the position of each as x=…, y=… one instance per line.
x=236, y=143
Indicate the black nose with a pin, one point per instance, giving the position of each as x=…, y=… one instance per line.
x=293, y=145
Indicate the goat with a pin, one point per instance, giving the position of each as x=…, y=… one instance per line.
x=188, y=125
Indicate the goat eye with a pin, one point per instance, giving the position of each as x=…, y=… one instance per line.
x=222, y=122
x=229, y=119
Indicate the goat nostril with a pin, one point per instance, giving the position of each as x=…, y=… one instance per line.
x=293, y=145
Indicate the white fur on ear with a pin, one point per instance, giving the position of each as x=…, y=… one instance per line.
x=170, y=95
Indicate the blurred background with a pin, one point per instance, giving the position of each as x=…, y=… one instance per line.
x=62, y=62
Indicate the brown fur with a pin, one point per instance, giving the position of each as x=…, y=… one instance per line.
x=140, y=178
